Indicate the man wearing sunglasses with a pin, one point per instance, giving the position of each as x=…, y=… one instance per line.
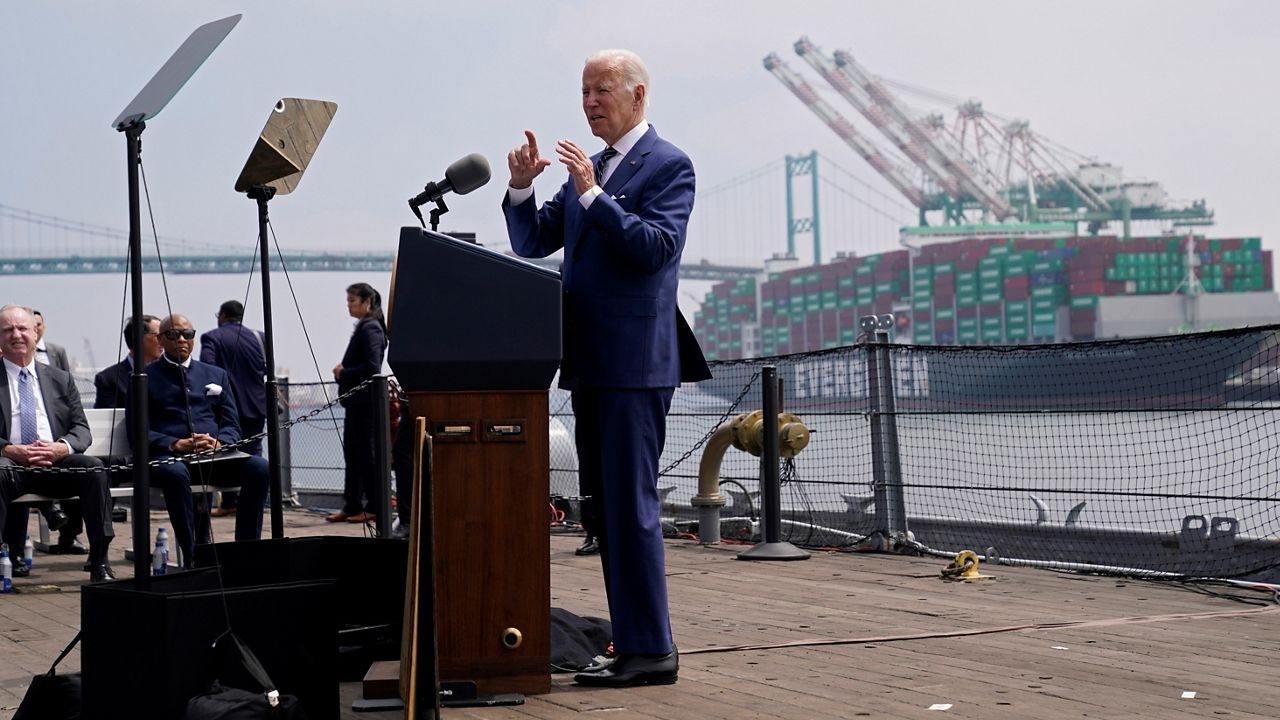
x=191, y=408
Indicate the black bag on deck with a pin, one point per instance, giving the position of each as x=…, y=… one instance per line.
x=52, y=697
x=229, y=703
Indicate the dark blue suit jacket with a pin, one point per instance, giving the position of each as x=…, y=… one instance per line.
x=622, y=323
x=112, y=385
x=362, y=359
x=216, y=415
x=239, y=350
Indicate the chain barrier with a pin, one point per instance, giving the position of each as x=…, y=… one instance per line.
x=727, y=414
x=197, y=455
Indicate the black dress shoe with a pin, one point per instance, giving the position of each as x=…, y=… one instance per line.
x=588, y=547
x=69, y=547
x=101, y=573
x=20, y=569
x=56, y=519
x=633, y=670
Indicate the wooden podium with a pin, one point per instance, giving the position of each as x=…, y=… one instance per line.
x=475, y=340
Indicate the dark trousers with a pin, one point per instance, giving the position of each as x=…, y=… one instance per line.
x=619, y=435
x=361, y=479
x=93, y=489
x=248, y=426
x=176, y=480
x=402, y=464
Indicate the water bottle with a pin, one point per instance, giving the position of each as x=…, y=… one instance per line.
x=158, y=564
x=28, y=553
x=160, y=556
x=6, y=570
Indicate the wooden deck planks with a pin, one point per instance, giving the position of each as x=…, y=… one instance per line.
x=1120, y=671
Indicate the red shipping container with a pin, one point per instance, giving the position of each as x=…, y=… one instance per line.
x=922, y=315
x=1016, y=283
x=1230, y=244
x=1021, y=294
x=1094, y=287
x=944, y=325
x=1095, y=271
x=967, y=311
x=1033, y=244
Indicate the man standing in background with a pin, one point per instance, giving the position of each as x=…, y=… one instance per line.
x=49, y=353
x=241, y=352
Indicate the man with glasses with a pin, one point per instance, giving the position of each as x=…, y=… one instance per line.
x=42, y=425
x=112, y=384
x=191, y=409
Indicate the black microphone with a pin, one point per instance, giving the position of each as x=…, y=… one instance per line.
x=461, y=177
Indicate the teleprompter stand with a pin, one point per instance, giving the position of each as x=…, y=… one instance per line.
x=148, y=103
x=275, y=166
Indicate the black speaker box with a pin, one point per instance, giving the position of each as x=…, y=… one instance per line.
x=144, y=654
x=368, y=573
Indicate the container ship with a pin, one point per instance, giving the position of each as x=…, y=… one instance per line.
x=996, y=288
x=1011, y=286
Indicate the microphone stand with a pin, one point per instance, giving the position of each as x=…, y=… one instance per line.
x=439, y=210
x=262, y=194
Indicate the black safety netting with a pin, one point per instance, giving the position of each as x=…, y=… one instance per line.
x=1139, y=456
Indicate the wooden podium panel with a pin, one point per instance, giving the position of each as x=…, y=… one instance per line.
x=491, y=459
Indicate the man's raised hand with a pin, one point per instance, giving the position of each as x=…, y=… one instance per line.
x=525, y=163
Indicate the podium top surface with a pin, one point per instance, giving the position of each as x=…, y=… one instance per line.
x=176, y=71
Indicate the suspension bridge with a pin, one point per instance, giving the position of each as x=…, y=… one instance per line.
x=772, y=210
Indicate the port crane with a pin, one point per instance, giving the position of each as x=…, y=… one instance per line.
x=980, y=168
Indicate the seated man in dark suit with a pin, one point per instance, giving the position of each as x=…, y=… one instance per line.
x=191, y=409
x=112, y=384
x=42, y=425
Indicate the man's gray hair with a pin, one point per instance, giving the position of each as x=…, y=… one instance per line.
x=630, y=66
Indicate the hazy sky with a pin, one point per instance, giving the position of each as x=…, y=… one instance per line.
x=1180, y=92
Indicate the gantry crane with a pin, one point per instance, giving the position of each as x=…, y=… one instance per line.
x=970, y=167
x=842, y=127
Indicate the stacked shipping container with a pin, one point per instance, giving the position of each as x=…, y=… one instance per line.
x=980, y=290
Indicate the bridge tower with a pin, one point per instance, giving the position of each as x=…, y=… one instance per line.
x=796, y=167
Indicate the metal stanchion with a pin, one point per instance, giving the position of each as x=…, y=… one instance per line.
x=773, y=547
x=382, y=450
x=886, y=467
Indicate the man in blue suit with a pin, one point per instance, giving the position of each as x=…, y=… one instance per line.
x=242, y=353
x=190, y=409
x=620, y=219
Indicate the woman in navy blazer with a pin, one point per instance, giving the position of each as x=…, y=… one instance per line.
x=362, y=360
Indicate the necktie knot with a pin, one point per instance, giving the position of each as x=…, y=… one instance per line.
x=602, y=161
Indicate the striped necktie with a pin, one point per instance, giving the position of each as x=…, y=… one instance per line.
x=603, y=160
x=27, y=407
